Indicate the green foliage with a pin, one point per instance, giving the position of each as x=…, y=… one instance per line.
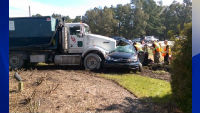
x=77, y=19
x=37, y=15
x=67, y=19
x=124, y=17
x=142, y=87
x=59, y=16
x=182, y=70
x=171, y=34
x=154, y=23
x=101, y=21
x=56, y=15
x=140, y=18
x=175, y=16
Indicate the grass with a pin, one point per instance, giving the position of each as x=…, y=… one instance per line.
x=42, y=64
x=143, y=87
x=159, y=72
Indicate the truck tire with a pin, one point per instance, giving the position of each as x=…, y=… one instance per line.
x=16, y=61
x=92, y=62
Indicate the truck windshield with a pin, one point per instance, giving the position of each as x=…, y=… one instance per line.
x=126, y=49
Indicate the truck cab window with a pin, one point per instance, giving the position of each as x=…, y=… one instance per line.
x=87, y=29
x=75, y=30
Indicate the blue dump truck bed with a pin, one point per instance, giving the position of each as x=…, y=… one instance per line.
x=32, y=32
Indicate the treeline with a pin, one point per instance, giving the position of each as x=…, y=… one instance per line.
x=140, y=18
x=137, y=19
x=59, y=16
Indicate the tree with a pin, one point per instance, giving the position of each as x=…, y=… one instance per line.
x=182, y=70
x=37, y=15
x=67, y=19
x=154, y=23
x=57, y=16
x=91, y=17
x=101, y=21
x=177, y=14
x=124, y=21
x=77, y=19
x=139, y=19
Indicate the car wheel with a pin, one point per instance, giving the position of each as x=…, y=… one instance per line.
x=92, y=62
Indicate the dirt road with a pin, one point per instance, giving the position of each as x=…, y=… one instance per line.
x=72, y=91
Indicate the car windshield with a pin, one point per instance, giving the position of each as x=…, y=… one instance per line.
x=126, y=49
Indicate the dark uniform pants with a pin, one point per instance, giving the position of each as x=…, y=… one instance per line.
x=157, y=57
x=166, y=59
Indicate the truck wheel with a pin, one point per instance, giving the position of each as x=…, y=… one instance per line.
x=15, y=61
x=92, y=62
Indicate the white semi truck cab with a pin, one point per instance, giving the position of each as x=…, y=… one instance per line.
x=40, y=39
x=82, y=47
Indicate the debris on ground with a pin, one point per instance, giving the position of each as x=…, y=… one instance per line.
x=73, y=91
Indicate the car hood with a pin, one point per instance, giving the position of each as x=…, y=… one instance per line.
x=123, y=55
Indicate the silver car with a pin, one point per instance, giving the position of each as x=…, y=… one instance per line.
x=150, y=39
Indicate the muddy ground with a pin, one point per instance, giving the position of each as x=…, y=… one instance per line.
x=73, y=90
x=158, y=74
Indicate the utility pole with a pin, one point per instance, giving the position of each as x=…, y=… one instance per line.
x=29, y=7
x=29, y=10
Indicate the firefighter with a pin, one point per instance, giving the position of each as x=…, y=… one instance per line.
x=166, y=52
x=156, y=52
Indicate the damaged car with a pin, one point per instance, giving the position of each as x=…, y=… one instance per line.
x=123, y=57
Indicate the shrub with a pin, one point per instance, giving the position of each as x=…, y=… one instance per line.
x=182, y=70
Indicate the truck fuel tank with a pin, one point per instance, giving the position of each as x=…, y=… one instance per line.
x=67, y=59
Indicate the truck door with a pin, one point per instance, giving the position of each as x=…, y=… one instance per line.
x=76, y=39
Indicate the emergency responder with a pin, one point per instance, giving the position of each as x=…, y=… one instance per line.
x=166, y=52
x=156, y=52
x=138, y=46
x=134, y=43
x=145, y=53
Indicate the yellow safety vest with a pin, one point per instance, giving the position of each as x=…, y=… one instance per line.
x=157, y=48
x=138, y=47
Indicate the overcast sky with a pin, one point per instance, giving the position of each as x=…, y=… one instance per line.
x=72, y=8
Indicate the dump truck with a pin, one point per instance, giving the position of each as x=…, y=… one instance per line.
x=48, y=40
